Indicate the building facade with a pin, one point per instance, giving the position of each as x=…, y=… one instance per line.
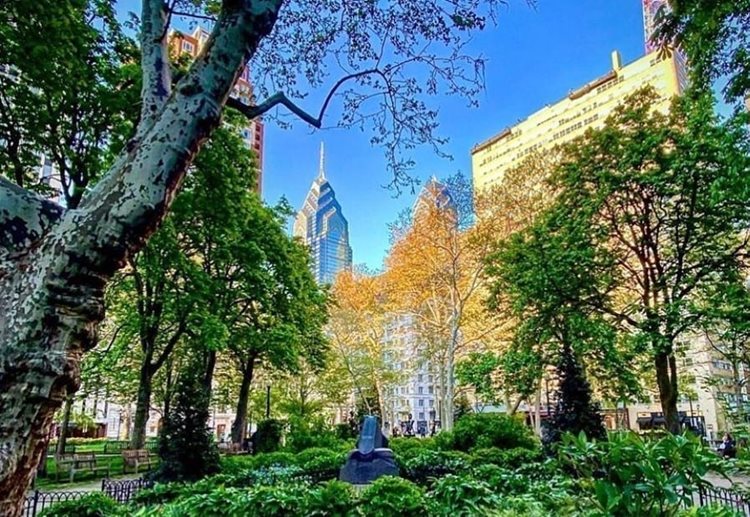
x=584, y=108
x=252, y=132
x=321, y=225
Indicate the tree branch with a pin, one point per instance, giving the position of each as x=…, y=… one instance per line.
x=252, y=112
x=25, y=217
x=154, y=61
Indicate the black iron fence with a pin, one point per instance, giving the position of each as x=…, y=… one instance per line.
x=725, y=497
x=121, y=491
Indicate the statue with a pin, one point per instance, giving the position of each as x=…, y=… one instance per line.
x=371, y=459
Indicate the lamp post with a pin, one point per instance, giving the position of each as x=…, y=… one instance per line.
x=268, y=401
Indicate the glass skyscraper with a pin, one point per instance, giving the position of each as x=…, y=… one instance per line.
x=323, y=227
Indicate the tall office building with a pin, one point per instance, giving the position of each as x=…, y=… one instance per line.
x=586, y=107
x=322, y=226
x=252, y=132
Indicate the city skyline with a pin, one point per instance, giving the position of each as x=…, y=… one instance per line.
x=321, y=225
x=513, y=91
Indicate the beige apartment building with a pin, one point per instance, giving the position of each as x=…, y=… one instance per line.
x=586, y=107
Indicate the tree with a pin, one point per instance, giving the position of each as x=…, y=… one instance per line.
x=186, y=447
x=435, y=273
x=726, y=331
x=651, y=206
x=57, y=261
x=575, y=412
x=715, y=35
x=478, y=371
x=358, y=326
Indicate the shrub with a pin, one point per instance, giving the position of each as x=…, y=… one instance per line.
x=310, y=454
x=186, y=447
x=271, y=475
x=461, y=496
x=510, y=458
x=267, y=437
x=276, y=500
x=405, y=446
x=331, y=499
x=480, y=430
x=323, y=466
x=91, y=505
x=345, y=432
x=220, y=502
x=633, y=476
x=389, y=496
x=282, y=459
x=310, y=433
x=575, y=412
x=433, y=464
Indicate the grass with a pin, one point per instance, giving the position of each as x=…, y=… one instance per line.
x=48, y=482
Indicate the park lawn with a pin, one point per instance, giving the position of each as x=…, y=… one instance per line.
x=83, y=478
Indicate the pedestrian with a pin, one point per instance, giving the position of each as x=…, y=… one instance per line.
x=728, y=448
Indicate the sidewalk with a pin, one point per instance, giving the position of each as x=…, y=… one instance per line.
x=93, y=485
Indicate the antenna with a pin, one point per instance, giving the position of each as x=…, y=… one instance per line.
x=322, y=169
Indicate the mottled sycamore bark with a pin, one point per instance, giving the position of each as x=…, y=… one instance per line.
x=55, y=264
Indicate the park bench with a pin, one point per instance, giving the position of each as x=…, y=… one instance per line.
x=136, y=458
x=231, y=448
x=117, y=447
x=75, y=463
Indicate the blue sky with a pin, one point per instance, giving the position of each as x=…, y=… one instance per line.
x=534, y=57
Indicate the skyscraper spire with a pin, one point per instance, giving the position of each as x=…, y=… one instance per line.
x=322, y=168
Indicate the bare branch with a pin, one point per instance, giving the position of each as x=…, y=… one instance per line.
x=253, y=112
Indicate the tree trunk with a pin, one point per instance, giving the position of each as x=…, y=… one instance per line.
x=450, y=387
x=142, y=406
x=538, y=411
x=55, y=263
x=666, y=380
x=67, y=408
x=239, y=426
x=739, y=416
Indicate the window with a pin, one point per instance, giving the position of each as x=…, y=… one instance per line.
x=420, y=377
x=432, y=403
x=430, y=389
x=421, y=402
x=421, y=416
x=187, y=47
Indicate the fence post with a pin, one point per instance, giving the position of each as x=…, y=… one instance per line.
x=36, y=501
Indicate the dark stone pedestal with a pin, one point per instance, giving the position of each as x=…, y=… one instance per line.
x=361, y=469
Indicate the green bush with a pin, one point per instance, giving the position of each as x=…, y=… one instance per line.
x=266, y=476
x=390, y=496
x=284, y=500
x=91, y=505
x=461, y=496
x=323, y=466
x=406, y=446
x=331, y=499
x=434, y=464
x=511, y=458
x=282, y=459
x=628, y=475
x=479, y=430
x=267, y=438
x=310, y=433
x=310, y=454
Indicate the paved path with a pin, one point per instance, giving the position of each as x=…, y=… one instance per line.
x=95, y=485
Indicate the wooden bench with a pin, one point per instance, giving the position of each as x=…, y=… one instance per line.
x=74, y=463
x=136, y=458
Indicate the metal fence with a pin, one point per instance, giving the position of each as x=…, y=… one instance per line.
x=724, y=497
x=121, y=491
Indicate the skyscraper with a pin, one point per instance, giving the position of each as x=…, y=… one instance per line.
x=323, y=227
